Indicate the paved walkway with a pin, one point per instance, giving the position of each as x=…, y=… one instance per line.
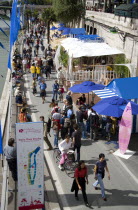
x=121, y=190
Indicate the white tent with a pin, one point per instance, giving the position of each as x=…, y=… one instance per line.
x=77, y=48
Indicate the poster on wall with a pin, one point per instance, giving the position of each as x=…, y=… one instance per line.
x=29, y=139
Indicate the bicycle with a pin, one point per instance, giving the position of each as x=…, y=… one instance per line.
x=69, y=165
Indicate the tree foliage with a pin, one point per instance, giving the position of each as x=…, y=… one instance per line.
x=48, y=16
x=5, y=3
x=37, y=2
x=64, y=57
x=69, y=10
x=122, y=71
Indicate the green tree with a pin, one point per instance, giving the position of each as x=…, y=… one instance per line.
x=122, y=71
x=48, y=17
x=64, y=57
x=37, y=2
x=4, y=3
x=28, y=14
x=69, y=10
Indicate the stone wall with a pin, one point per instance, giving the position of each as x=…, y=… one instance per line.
x=129, y=30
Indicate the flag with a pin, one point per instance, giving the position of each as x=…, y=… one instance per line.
x=3, y=32
x=1, y=149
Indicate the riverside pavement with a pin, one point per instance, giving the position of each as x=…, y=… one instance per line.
x=121, y=190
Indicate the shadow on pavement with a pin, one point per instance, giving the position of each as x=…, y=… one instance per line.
x=115, y=198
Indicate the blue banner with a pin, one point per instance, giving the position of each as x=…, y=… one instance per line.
x=15, y=27
x=1, y=143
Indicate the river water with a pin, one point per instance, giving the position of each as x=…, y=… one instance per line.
x=3, y=54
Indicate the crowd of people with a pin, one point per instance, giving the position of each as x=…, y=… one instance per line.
x=67, y=124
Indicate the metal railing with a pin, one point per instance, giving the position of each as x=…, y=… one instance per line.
x=98, y=74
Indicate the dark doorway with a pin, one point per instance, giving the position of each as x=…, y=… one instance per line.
x=88, y=29
x=95, y=31
x=91, y=30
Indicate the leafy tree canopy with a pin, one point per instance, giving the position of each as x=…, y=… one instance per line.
x=122, y=71
x=37, y=2
x=5, y=3
x=69, y=10
x=48, y=15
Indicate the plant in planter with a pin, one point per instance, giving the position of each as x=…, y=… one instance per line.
x=75, y=64
x=122, y=71
x=64, y=57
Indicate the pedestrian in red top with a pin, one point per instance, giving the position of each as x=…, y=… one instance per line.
x=79, y=183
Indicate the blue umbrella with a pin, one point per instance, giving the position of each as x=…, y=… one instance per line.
x=53, y=28
x=86, y=87
x=61, y=28
x=61, y=24
x=66, y=31
x=114, y=106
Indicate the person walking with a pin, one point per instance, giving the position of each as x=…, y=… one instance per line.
x=43, y=87
x=24, y=63
x=70, y=111
x=55, y=90
x=99, y=171
x=64, y=130
x=47, y=70
x=77, y=141
x=33, y=70
x=56, y=117
x=34, y=84
x=79, y=183
x=45, y=132
x=94, y=125
x=56, y=133
x=11, y=157
x=69, y=98
x=38, y=71
x=80, y=118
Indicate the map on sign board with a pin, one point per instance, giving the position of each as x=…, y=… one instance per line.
x=29, y=137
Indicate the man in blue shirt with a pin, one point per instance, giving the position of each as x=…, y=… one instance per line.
x=70, y=112
x=43, y=87
x=55, y=90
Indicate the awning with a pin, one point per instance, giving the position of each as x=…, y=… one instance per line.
x=105, y=93
x=76, y=31
x=126, y=88
x=77, y=48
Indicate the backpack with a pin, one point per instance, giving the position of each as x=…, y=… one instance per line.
x=67, y=122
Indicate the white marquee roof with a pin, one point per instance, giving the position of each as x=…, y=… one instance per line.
x=77, y=48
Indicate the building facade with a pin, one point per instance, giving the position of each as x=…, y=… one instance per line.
x=124, y=37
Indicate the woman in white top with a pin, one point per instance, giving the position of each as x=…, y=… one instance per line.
x=64, y=147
